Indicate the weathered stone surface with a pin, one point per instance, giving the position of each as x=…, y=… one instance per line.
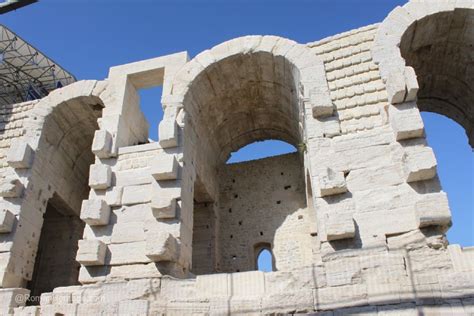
x=102, y=144
x=95, y=212
x=419, y=163
x=406, y=121
x=20, y=155
x=164, y=206
x=100, y=177
x=161, y=246
x=340, y=226
x=165, y=167
x=331, y=182
x=354, y=221
x=11, y=188
x=91, y=252
x=7, y=219
x=433, y=209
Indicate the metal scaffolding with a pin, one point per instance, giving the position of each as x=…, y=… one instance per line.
x=25, y=73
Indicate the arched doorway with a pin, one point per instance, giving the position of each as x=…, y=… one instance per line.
x=58, y=184
x=235, y=101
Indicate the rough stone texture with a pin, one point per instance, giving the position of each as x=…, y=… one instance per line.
x=91, y=252
x=355, y=220
x=7, y=219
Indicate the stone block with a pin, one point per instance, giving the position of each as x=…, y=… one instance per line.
x=321, y=104
x=100, y=177
x=20, y=155
x=102, y=144
x=165, y=167
x=133, y=307
x=136, y=194
x=113, y=196
x=95, y=212
x=406, y=120
x=461, y=258
x=331, y=182
x=433, y=209
x=27, y=311
x=168, y=131
x=213, y=285
x=7, y=219
x=411, y=84
x=340, y=226
x=164, y=204
x=91, y=252
x=395, y=86
x=419, y=163
x=161, y=246
x=11, y=187
x=248, y=284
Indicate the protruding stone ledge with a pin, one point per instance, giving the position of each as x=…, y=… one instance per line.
x=411, y=84
x=321, y=104
x=165, y=167
x=419, y=163
x=395, y=86
x=91, y=252
x=331, y=182
x=7, y=219
x=100, y=177
x=95, y=212
x=340, y=226
x=164, y=206
x=102, y=144
x=11, y=188
x=161, y=246
x=433, y=209
x=20, y=155
x=406, y=121
x=168, y=131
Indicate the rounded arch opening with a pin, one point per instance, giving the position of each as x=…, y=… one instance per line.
x=247, y=97
x=64, y=154
x=440, y=48
x=264, y=260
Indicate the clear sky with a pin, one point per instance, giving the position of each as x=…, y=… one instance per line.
x=87, y=37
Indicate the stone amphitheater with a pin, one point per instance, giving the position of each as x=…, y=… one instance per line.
x=98, y=220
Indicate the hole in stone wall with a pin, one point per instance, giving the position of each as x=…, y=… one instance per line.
x=455, y=169
x=265, y=260
x=278, y=202
x=150, y=104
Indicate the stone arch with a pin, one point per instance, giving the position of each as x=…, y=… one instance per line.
x=52, y=162
x=245, y=90
x=424, y=53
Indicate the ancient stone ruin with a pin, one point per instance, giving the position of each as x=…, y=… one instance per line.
x=96, y=219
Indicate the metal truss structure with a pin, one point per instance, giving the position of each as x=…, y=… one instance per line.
x=10, y=5
x=26, y=73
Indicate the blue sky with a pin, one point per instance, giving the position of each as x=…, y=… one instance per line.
x=87, y=37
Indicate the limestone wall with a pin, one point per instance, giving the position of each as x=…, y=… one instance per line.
x=263, y=202
x=362, y=217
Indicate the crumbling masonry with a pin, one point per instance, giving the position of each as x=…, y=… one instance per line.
x=96, y=219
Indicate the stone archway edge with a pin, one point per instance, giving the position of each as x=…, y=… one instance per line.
x=401, y=82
